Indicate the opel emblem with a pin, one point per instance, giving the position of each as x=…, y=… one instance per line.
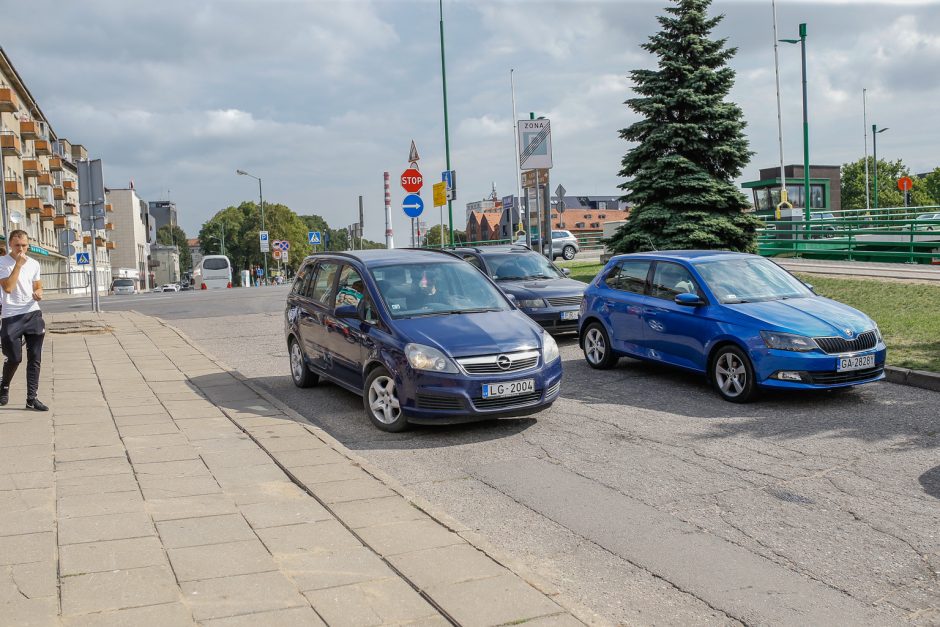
x=503, y=362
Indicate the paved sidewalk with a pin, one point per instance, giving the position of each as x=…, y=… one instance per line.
x=162, y=490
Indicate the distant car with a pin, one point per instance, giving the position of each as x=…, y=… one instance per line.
x=421, y=335
x=123, y=286
x=741, y=320
x=823, y=229
x=933, y=217
x=564, y=244
x=540, y=289
x=170, y=287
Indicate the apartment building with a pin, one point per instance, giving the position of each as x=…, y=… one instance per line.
x=40, y=188
x=129, y=233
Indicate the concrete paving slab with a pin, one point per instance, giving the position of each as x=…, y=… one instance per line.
x=191, y=507
x=91, y=468
x=33, y=520
x=286, y=512
x=30, y=547
x=316, y=571
x=324, y=536
x=235, y=477
x=155, y=441
x=27, y=480
x=98, y=528
x=315, y=456
x=354, y=490
x=370, y=603
x=177, y=468
x=266, y=493
x=235, y=458
x=241, y=594
x=446, y=565
x=93, y=557
x=221, y=560
x=162, y=454
x=33, y=580
x=377, y=511
x=222, y=445
x=185, y=532
x=118, y=589
x=406, y=537
x=91, y=416
x=96, y=485
x=143, y=419
x=164, y=615
x=297, y=442
x=163, y=487
x=30, y=612
x=90, y=452
x=325, y=473
x=293, y=617
x=159, y=428
x=509, y=600
x=100, y=504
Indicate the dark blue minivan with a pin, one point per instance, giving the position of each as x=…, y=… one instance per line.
x=421, y=335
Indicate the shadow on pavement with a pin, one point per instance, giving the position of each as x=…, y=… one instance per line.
x=930, y=481
x=874, y=412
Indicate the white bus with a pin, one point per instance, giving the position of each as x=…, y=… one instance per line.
x=213, y=272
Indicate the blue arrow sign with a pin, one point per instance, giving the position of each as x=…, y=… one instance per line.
x=313, y=237
x=82, y=259
x=412, y=205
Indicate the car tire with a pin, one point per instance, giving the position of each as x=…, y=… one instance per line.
x=568, y=252
x=380, y=399
x=300, y=374
x=732, y=375
x=598, y=352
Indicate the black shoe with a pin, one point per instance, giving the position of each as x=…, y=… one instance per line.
x=4, y=396
x=36, y=405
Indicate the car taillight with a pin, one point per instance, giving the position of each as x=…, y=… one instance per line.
x=203, y=287
x=229, y=284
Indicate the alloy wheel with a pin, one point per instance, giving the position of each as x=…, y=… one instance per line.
x=731, y=374
x=383, y=401
x=595, y=346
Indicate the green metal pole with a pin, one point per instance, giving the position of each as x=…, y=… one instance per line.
x=450, y=207
x=806, y=194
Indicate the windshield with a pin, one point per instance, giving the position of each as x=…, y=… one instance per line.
x=216, y=263
x=123, y=283
x=520, y=266
x=750, y=279
x=422, y=289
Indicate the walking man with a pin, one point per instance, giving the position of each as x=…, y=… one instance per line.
x=20, y=293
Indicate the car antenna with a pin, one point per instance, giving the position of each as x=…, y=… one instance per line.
x=652, y=245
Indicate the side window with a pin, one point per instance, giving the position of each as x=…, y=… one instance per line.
x=320, y=286
x=350, y=288
x=300, y=281
x=369, y=313
x=671, y=279
x=475, y=262
x=629, y=276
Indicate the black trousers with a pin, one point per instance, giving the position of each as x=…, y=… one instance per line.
x=13, y=330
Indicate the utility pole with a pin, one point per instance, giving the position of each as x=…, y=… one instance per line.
x=450, y=208
x=865, y=131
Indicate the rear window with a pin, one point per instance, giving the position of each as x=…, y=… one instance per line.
x=123, y=283
x=215, y=264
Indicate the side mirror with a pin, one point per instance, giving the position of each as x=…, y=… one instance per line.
x=346, y=311
x=809, y=286
x=566, y=271
x=689, y=300
x=512, y=299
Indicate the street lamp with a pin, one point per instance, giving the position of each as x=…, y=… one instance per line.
x=874, y=154
x=806, y=194
x=261, y=199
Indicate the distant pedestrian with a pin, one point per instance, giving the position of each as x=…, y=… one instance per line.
x=20, y=293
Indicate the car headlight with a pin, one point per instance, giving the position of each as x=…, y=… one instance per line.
x=878, y=336
x=549, y=349
x=531, y=303
x=788, y=341
x=423, y=357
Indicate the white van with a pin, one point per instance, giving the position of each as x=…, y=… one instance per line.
x=213, y=272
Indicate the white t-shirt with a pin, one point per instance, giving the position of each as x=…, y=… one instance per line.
x=20, y=300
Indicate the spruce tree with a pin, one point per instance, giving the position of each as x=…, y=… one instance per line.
x=690, y=143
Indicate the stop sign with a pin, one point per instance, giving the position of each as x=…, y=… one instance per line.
x=411, y=180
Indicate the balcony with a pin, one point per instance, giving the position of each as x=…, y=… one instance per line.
x=45, y=178
x=55, y=164
x=58, y=193
x=33, y=204
x=110, y=245
x=46, y=214
x=8, y=101
x=79, y=152
x=86, y=240
x=70, y=208
x=10, y=145
x=29, y=129
x=70, y=185
x=109, y=208
x=31, y=168
x=60, y=222
x=43, y=147
x=13, y=190
x=109, y=226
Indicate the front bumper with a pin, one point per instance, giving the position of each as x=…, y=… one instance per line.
x=817, y=370
x=455, y=398
x=550, y=318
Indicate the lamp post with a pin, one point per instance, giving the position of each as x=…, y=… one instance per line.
x=874, y=154
x=261, y=200
x=806, y=194
x=450, y=209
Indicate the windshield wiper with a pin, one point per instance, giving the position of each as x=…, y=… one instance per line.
x=511, y=278
x=469, y=311
x=540, y=276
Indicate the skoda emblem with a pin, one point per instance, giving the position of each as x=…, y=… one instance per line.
x=848, y=332
x=503, y=362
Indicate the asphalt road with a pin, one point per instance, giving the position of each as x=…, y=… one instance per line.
x=643, y=496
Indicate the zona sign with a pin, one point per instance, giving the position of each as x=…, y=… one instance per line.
x=411, y=180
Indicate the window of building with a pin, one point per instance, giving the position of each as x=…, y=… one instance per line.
x=579, y=225
x=602, y=204
x=601, y=216
x=587, y=216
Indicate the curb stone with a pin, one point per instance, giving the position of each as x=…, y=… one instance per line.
x=914, y=378
x=478, y=541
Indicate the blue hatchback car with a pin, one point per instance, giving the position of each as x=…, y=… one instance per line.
x=421, y=335
x=740, y=319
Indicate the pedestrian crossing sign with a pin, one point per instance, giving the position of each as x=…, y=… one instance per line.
x=82, y=259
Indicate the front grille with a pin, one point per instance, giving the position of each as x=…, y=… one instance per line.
x=552, y=390
x=830, y=378
x=438, y=401
x=837, y=345
x=503, y=402
x=490, y=364
x=561, y=325
x=564, y=301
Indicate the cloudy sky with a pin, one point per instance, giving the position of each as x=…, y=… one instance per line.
x=319, y=98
